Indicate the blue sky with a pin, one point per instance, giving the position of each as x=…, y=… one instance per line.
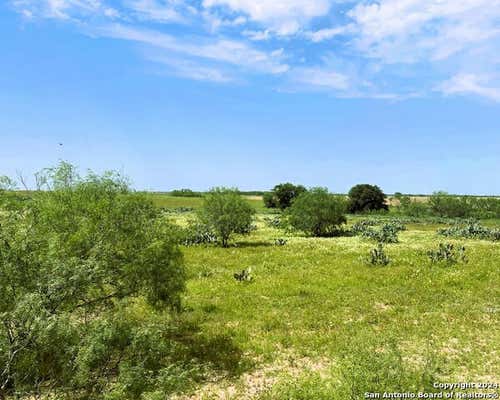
x=196, y=93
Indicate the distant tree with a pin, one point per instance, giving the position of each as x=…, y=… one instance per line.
x=445, y=205
x=185, y=193
x=366, y=198
x=226, y=213
x=283, y=195
x=317, y=213
x=7, y=183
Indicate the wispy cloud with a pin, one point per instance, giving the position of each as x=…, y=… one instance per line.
x=383, y=48
x=283, y=17
x=464, y=84
x=232, y=52
x=159, y=10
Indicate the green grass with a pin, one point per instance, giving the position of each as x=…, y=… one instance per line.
x=319, y=322
x=166, y=201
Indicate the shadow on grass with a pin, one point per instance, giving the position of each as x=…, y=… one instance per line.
x=248, y=244
x=217, y=351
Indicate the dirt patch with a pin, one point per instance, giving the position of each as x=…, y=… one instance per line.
x=250, y=385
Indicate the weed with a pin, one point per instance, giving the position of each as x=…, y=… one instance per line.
x=244, y=276
x=378, y=256
x=447, y=252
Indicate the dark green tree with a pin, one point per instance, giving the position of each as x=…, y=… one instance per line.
x=317, y=213
x=366, y=197
x=284, y=194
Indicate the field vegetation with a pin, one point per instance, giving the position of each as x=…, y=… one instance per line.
x=106, y=293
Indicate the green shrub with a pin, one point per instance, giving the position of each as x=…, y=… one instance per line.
x=225, y=213
x=69, y=257
x=270, y=200
x=447, y=252
x=363, y=198
x=274, y=222
x=317, y=213
x=386, y=233
x=471, y=229
x=413, y=208
x=197, y=233
x=185, y=193
x=378, y=256
x=444, y=205
x=244, y=276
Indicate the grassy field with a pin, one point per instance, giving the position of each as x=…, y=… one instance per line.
x=166, y=201
x=319, y=322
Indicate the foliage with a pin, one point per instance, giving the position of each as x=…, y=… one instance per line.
x=364, y=197
x=283, y=195
x=7, y=183
x=378, y=256
x=225, y=212
x=445, y=205
x=471, y=229
x=197, y=233
x=413, y=208
x=446, y=252
x=386, y=233
x=67, y=259
x=270, y=200
x=244, y=276
x=185, y=193
x=274, y=222
x=317, y=213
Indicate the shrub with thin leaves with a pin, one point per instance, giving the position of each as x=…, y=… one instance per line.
x=68, y=257
x=226, y=213
x=317, y=213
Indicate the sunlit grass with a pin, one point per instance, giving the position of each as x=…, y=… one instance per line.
x=320, y=299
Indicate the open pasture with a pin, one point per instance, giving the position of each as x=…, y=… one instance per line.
x=317, y=321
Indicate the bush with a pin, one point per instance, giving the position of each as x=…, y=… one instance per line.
x=471, y=229
x=446, y=252
x=387, y=233
x=184, y=193
x=197, y=233
x=317, y=213
x=225, y=213
x=413, y=208
x=444, y=205
x=363, y=198
x=270, y=200
x=378, y=256
x=283, y=195
x=68, y=259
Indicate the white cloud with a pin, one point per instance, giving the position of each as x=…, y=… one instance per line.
x=470, y=84
x=321, y=78
x=192, y=70
x=284, y=17
x=257, y=35
x=221, y=50
x=57, y=9
x=325, y=34
x=159, y=10
x=413, y=30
